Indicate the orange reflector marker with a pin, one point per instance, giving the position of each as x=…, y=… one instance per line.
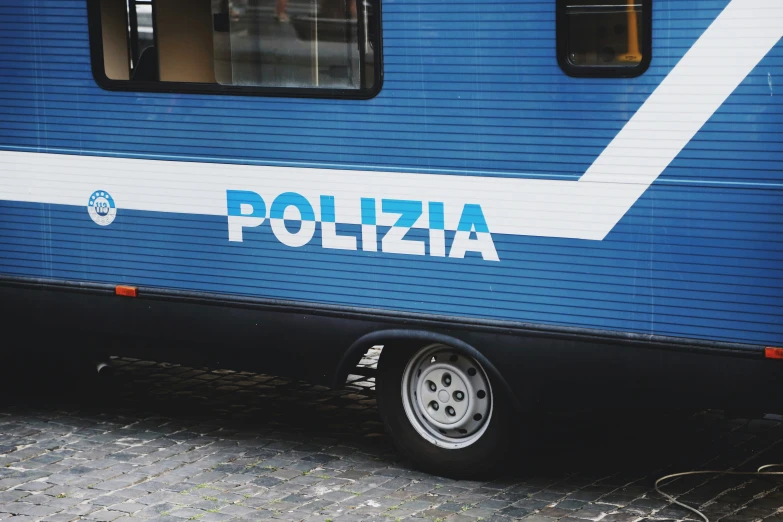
x=126, y=291
x=770, y=352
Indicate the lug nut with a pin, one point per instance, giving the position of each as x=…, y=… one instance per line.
x=458, y=395
x=450, y=411
x=434, y=405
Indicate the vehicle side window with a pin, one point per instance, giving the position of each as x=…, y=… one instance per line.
x=322, y=48
x=604, y=38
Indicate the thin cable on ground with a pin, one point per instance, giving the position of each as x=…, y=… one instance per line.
x=757, y=473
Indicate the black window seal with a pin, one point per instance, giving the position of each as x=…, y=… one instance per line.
x=106, y=83
x=597, y=71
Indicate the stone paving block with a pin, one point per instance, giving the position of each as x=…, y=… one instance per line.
x=105, y=515
x=295, y=499
x=82, y=509
x=41, y=460
x=21, y=518
x=620, y=517
x=460, y=517
x=210, y=503
x=128, y=507
x=402, y=495
x=305, y=480
x=131, y=493
x=472, y=497
x=282, y=474
x=56, y=504
x=267, y=481
x=7, y=497
x=25, y=508
x=220, y=517
x=531, y=504
x=338, y=496
x=548, y=496
x=61, y=517
x=414, y=506
x=320, y=518
x=498, y=518
x=478, y=512
x=514, y=512
x=158, y=509
x=570, y=504
x=397, y=483
x=165, y=518
x=591, y=511
x=187, y=512
x=750, y=512
x=317, y=505
x=236, y=510
x=107, y=500
x=115, y=484
x=493, y=504
x=352, y=474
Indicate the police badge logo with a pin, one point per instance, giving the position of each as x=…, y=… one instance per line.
x=101, y=208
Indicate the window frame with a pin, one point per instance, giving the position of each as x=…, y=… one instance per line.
x=598, y=71
x=106, y=83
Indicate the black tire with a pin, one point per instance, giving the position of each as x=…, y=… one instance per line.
x=478, y=460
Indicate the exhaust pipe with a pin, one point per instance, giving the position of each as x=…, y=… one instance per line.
x=104, y=369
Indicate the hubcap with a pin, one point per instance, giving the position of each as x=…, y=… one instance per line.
x=447, y=396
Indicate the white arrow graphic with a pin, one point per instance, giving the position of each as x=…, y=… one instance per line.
x=698, y=85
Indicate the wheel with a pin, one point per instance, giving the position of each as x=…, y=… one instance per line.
x=441, y=410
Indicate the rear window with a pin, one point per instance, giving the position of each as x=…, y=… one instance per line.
x=322, y=48
x=607, y=38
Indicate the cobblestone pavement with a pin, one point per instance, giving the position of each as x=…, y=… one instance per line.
x=170, y=443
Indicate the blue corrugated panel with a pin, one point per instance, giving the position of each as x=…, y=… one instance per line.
x=471, y=88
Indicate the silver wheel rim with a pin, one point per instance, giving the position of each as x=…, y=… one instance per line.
x=447, y=396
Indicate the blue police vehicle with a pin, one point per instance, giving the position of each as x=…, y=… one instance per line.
x=530, y=204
